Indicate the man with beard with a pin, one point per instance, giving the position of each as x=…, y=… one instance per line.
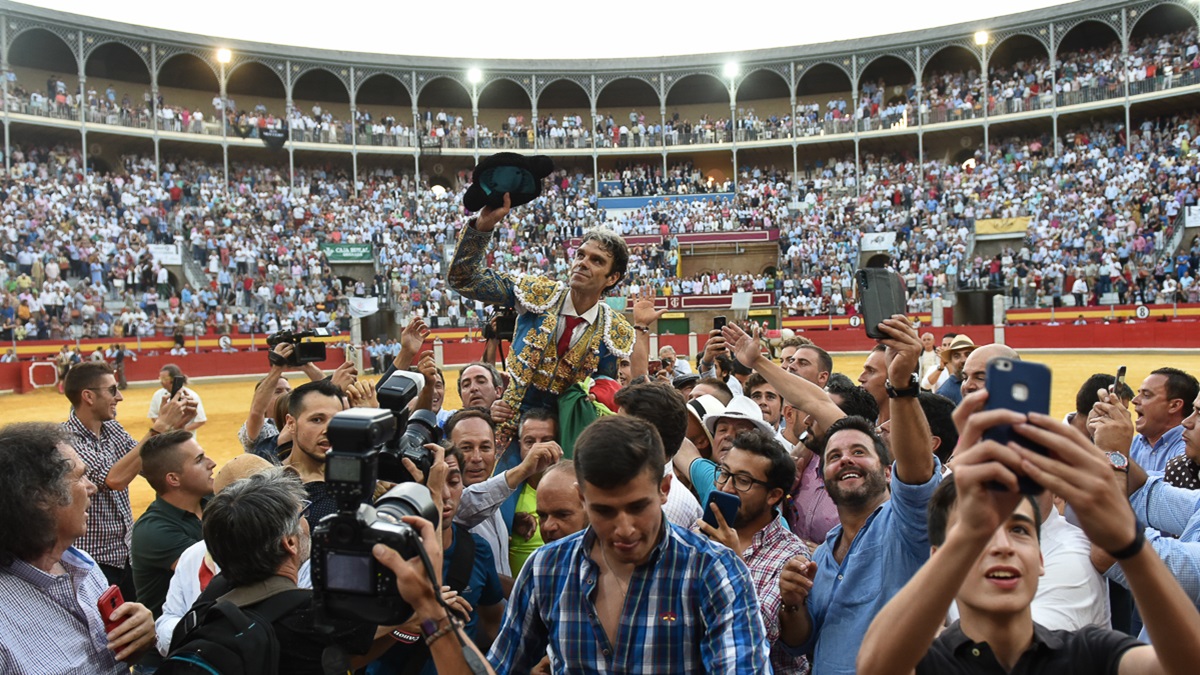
x=881, y=539
x=759, y=472
x=310, y=408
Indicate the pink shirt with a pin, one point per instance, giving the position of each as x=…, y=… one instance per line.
x=815, y=513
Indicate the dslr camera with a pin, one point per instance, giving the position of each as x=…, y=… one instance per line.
x=501, y=324
x=305, y=352
x=368, y=445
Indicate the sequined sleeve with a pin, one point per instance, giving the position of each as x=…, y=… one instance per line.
x=469, y=275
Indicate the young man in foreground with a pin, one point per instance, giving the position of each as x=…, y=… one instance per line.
x=986, y=556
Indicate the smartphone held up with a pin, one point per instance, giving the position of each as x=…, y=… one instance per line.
x=1022, y=387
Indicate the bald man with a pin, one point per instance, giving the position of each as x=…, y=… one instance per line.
x=559, y=508
x=975, y=368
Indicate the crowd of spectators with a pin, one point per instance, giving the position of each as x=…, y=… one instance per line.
x=82, y=259
x=1029, y=83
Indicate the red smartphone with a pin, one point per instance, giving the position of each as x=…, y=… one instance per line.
x=108, y=603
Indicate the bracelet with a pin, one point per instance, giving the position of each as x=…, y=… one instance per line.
x=790, y=609
x=1139, y=541
x=643, y=329
x=154, y=432
x=430, y=638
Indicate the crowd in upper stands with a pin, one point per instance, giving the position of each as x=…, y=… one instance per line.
x=1027, y=83
x=79, y=257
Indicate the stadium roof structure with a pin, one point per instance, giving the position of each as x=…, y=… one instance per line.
x=1118, y=14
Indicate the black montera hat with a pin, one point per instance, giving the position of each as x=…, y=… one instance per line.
x=518, y=175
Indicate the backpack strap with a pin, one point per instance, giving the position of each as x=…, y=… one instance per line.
x=462, y=564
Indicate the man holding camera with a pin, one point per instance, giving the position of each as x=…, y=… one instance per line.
x=564, y=332
x=256, y=533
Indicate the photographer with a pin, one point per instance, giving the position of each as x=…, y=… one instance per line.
x=256, y=533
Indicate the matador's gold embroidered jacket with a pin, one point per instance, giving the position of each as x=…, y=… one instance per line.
x=539, y=374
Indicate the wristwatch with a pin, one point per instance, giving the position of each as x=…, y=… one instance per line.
x=1119, y=462
x=913, y=389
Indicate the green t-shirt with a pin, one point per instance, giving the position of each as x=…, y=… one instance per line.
x=519, y=548
x=160, y=536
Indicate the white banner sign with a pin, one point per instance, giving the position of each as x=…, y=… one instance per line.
x=166, y=254
x=877, y=241
x=363, y=307
x=1191, y=216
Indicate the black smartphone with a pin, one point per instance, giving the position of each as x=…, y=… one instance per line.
x=718, y=322
x=727, y=503
x=177, y=383
x=881, y=294
x=1118, y=385
x=1023, y=387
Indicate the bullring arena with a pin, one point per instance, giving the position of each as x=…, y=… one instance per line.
x=1032, y=180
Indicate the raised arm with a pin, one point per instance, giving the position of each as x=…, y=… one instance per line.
x=645, y=316
x=912, y=442
x=1077, y=471
x=801, y=393
x=468, y=274
x=902, y=632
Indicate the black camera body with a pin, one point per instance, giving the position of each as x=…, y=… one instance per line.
x=305, y=352
x=347, y=580
x=368, y=445
x=504, y=321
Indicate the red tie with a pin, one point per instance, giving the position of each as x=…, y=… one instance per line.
x=564, y=341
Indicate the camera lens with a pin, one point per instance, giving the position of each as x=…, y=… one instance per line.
x=424, y=427
x=407, y=499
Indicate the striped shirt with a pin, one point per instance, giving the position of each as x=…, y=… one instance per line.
x=110, y=518
x=691, y=608
x=50, y=622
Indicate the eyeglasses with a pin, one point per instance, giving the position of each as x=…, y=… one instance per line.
x=741, y=481
x=305, y=508
x=112, y=390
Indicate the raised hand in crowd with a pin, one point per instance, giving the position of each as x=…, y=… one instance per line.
x=361, y=394
x=412, y=338
x=176, y=413
x=645, y=316
x=345, y=375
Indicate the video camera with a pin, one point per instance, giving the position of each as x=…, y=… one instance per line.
x=501, y=324
x=368, y=444
x=305, y=352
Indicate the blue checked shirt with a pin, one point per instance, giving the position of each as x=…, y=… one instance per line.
x=1169, y=512
x=1154, y=458
x=691, y=609
x=50, y=624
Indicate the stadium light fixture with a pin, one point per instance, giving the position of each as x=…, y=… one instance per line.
x=224, y=55
x=731, y=70
x=982, y=37
x=475, y=75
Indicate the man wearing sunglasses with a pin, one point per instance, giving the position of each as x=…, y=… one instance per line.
x=113, y=460
x=759, y=471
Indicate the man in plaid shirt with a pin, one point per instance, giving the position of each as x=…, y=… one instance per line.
x=759, y=471
x=113, y=460
x=632, y=593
